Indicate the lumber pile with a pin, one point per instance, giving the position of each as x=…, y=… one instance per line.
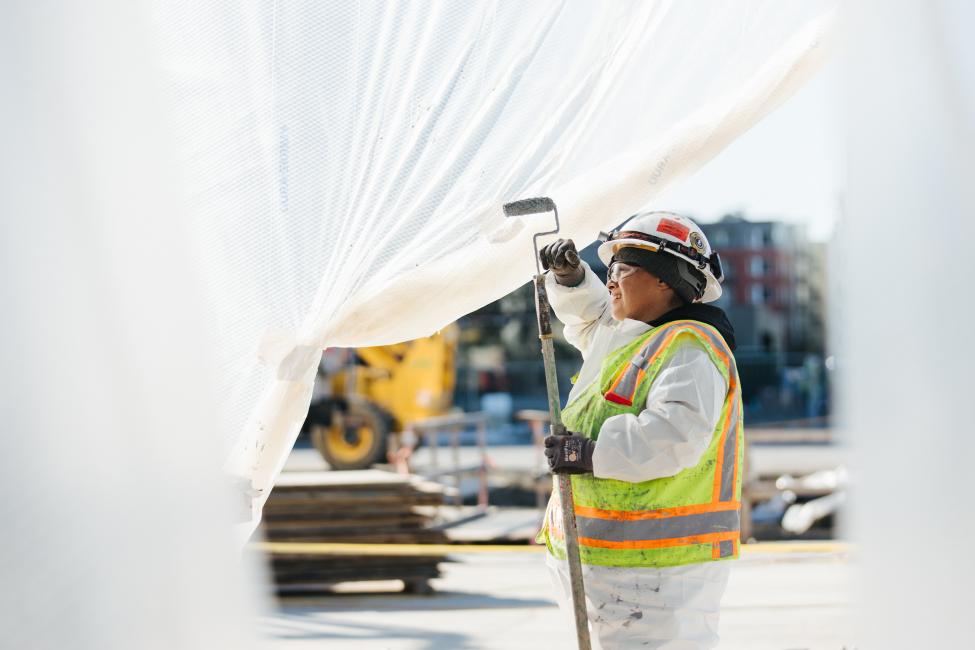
x=367, y=506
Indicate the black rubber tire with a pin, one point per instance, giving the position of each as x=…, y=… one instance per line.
x=355, y=448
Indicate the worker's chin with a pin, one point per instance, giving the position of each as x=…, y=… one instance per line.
x=617, y=310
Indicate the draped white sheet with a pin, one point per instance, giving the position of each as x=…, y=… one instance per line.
x=196, y=197
x=902, y=334
x=345, y=162
x=116, y=528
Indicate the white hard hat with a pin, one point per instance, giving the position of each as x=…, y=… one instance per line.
x=669, y=233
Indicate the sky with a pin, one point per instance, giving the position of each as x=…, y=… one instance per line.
x=788, y=167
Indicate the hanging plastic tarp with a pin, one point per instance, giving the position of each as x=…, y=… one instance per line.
x=116, y=528
x=346, y=162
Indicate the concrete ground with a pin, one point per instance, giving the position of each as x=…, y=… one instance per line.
x=777, y=599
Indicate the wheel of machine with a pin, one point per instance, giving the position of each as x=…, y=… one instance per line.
x=355, y=438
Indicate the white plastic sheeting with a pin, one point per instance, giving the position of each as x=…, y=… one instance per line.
x=116, y=533
x=185, y=185
x=345, y=162
x=904, y=317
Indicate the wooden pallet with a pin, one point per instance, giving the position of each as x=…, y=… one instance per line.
x=368, y=506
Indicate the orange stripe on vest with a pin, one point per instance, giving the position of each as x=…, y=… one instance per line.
x=709, y=538
x=662, y=513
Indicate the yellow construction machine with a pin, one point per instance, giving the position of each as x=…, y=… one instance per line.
x=379, y=393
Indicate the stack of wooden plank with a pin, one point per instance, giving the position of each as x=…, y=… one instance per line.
x=368, y=506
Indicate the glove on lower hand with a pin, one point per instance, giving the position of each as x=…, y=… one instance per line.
x=561, y=258
x=570, y=454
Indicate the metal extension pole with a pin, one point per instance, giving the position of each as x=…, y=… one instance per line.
x=543, y=311
x=564, y=480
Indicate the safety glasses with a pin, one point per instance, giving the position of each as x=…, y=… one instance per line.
x=619, y=270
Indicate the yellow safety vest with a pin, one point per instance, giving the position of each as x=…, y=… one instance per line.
x=693, y=516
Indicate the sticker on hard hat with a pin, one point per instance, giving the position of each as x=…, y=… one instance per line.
x=671, y=227
x=697, y=242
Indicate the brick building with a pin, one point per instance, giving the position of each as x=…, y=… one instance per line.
x=773, y=288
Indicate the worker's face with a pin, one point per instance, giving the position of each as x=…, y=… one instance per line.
x=637, y=294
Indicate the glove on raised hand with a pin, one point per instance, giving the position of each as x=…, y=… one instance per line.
x=570, y=454
x=561, y=258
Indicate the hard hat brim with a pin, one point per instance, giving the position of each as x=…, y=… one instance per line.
x=607, y=249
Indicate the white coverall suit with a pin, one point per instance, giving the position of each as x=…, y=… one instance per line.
x=673, y=608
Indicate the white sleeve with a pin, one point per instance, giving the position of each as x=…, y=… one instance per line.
x=581, y=308
x=683, y=408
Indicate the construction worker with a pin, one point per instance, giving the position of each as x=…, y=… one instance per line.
x=656, y=435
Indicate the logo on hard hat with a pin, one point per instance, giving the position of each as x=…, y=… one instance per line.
x=697, y=241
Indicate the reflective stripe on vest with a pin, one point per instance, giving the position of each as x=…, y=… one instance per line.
x=640, y=530
x=625, y=385
x=723, y=529
x=717, y=522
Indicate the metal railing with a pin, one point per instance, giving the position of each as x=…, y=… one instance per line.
x=538, y=421
x=453, y=426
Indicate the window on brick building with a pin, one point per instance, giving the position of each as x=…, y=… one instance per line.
x=756, y=266
x=757, y=294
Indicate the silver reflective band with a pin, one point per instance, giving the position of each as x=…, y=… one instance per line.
x=729, y=456
x=729, y=460
x=640, y=361
x=726, y=548
x=614, y=530
x=647, y=353
x=627, y=385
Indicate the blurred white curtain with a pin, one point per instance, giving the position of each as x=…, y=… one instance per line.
x=197, y=197
x=116, y=532
x=346, y=161
x=904, y=316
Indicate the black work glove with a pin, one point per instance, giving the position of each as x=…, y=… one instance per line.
x=570, y=454
x=561, y=258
